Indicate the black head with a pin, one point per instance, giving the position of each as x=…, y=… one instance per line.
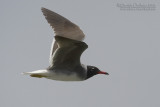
x=92, y=70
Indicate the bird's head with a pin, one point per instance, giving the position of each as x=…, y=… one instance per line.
x=92, y=70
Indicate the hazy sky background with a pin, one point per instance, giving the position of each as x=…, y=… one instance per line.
x=126, y=44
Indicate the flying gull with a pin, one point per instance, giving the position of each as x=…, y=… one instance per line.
x=65, y=52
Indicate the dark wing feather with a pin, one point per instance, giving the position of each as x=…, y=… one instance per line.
x=68, y=52
x=62, y=27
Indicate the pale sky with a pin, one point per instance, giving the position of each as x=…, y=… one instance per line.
x=126, y=44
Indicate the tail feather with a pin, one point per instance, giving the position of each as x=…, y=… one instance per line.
x=38, y=73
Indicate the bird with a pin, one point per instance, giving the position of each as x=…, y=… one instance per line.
x=66, y=50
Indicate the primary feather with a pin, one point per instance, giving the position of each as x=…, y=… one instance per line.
x=62, y=27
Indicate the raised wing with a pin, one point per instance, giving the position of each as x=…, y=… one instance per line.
x=68, y=53
x=62, y=27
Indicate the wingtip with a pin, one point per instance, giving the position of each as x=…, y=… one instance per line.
x=45, y=11
x=42, y=8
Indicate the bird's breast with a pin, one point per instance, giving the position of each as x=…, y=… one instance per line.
x=63, y=75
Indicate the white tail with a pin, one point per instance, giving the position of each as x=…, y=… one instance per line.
x=38, y=73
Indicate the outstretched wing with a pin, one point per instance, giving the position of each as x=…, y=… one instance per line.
x=62, y=27
x=68, y=52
